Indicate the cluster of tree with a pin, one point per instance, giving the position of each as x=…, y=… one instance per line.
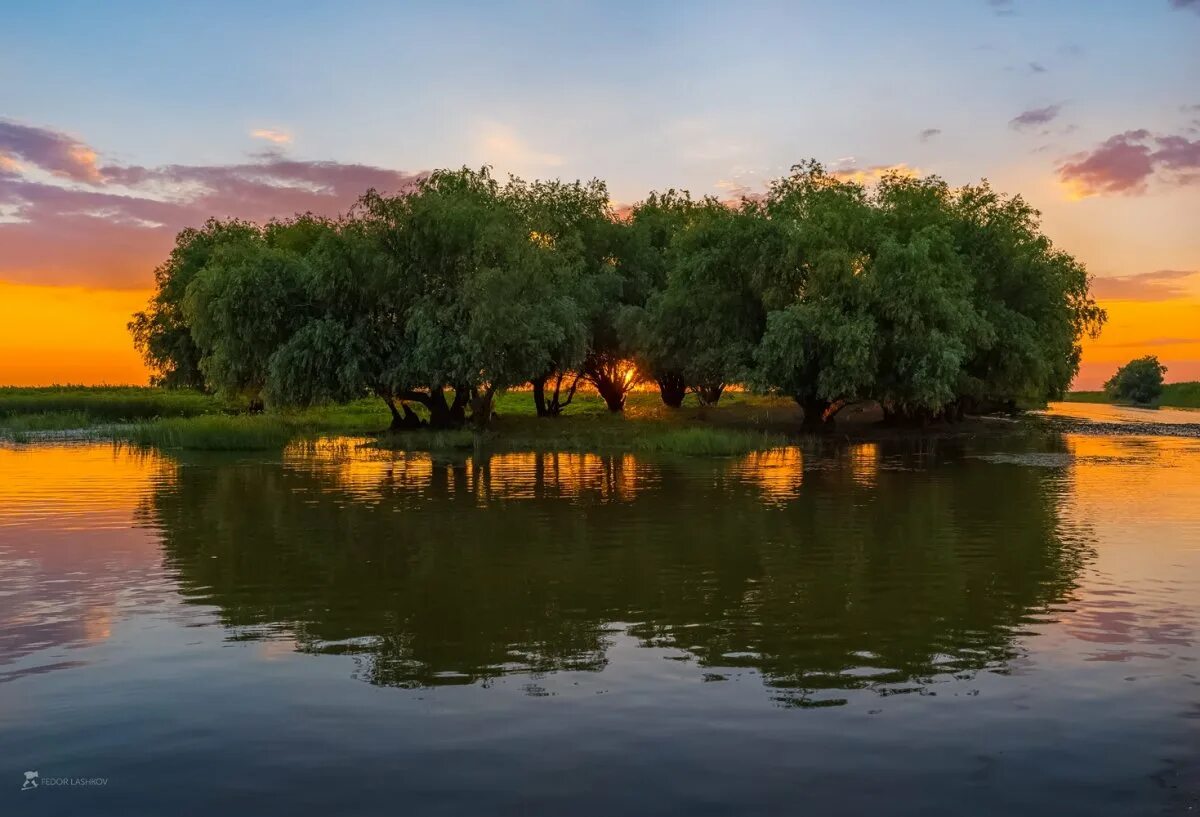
x=926, y=298
x=1138, y=381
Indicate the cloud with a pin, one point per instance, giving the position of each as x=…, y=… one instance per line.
x=114, y=231
x=929, y=133
x=1167, y=341
x=1034, y=116
x=1126, y=162
x=1004, y=8
x=49, y=150
x=500, y=145
x=1193, y=5
x=276, y=137
x=848, y=172
x=1037, y=68
x=1160, y=285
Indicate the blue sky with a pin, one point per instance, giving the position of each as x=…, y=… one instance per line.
x=642, y=94
x=121, y=122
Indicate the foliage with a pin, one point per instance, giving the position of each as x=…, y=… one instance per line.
x=104, y=403
x=211, y=433
x=929, y=299
x=1138, y=381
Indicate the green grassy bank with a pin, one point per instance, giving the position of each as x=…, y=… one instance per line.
x=1175, y=395
x=190, y=420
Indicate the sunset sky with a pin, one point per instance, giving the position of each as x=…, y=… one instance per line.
x=121, y=123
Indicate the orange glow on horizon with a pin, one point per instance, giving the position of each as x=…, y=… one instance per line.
x=58, y=335
x=1164, y=328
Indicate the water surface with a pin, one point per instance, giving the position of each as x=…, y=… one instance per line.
x=996, y=624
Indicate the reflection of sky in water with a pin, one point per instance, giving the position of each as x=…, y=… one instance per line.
x=935, y=585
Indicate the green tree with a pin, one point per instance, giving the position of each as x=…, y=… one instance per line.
x=920, y=294
x=820, y=345
x=699, y=329
x=571, y=222
x=245, y=303
x=161, y=332
x=1034, y=300
x=1138, y=381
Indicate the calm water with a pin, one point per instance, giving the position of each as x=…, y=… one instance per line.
x=1000, y=625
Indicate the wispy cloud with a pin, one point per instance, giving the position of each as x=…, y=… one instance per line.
x=929, y=133
x=52, y=151
x=1034, y=117
x=848, y=171
x=1126, y=162
x=1193, y=5
x=1037, y=68
x=1160, y=285
x=121, y=224
x=501, y=145
x=1004, y=8
x=272, y=135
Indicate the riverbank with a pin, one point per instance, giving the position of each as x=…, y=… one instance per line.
x=183, y=420
x=1175, y=395
x=190, y=420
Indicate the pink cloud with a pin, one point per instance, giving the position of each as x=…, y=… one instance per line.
x=1125, y=163
x=115, y=231
x=50, y=150
x=1160, y=285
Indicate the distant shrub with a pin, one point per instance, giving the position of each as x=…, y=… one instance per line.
x=1138, y=381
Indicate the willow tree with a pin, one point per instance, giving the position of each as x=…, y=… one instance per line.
x=571, y=222
x=699, y=328
x=435, y=298
x=819, y=346
x=1034, y=298
x=161, y=332
x=920, y=296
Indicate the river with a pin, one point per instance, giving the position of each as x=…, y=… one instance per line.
x=984, y=624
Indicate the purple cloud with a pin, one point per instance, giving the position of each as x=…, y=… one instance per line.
x=1125, y=163
x=1034, y=116
x=1194, y=5
x=49, y=150
x=124, y=222
x=1160, y=285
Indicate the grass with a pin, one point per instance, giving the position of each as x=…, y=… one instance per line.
x=1175, y=395
x=210, y=433
x=189, y=420
x=105, y=404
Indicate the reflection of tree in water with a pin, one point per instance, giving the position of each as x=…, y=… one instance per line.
x=453, y=572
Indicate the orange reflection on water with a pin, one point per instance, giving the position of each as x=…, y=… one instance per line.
x=58, y=585
x=72, y=486
x=778, y=473
x=529, y=475
x=360, y=470
x=864, y=463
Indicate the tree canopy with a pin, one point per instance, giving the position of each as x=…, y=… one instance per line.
x=1138, y=381
x=930, y=299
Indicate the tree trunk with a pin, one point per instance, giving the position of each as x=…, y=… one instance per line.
x=462, y=398
x=539, y=396
x=401, y=422
x=441, y=413
x=671, y=389
x=613, y=394
x=814, y=413
x=709, y=395
x=611, y=377
x=481, y=407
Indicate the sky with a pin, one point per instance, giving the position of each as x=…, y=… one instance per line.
x=123, y=122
